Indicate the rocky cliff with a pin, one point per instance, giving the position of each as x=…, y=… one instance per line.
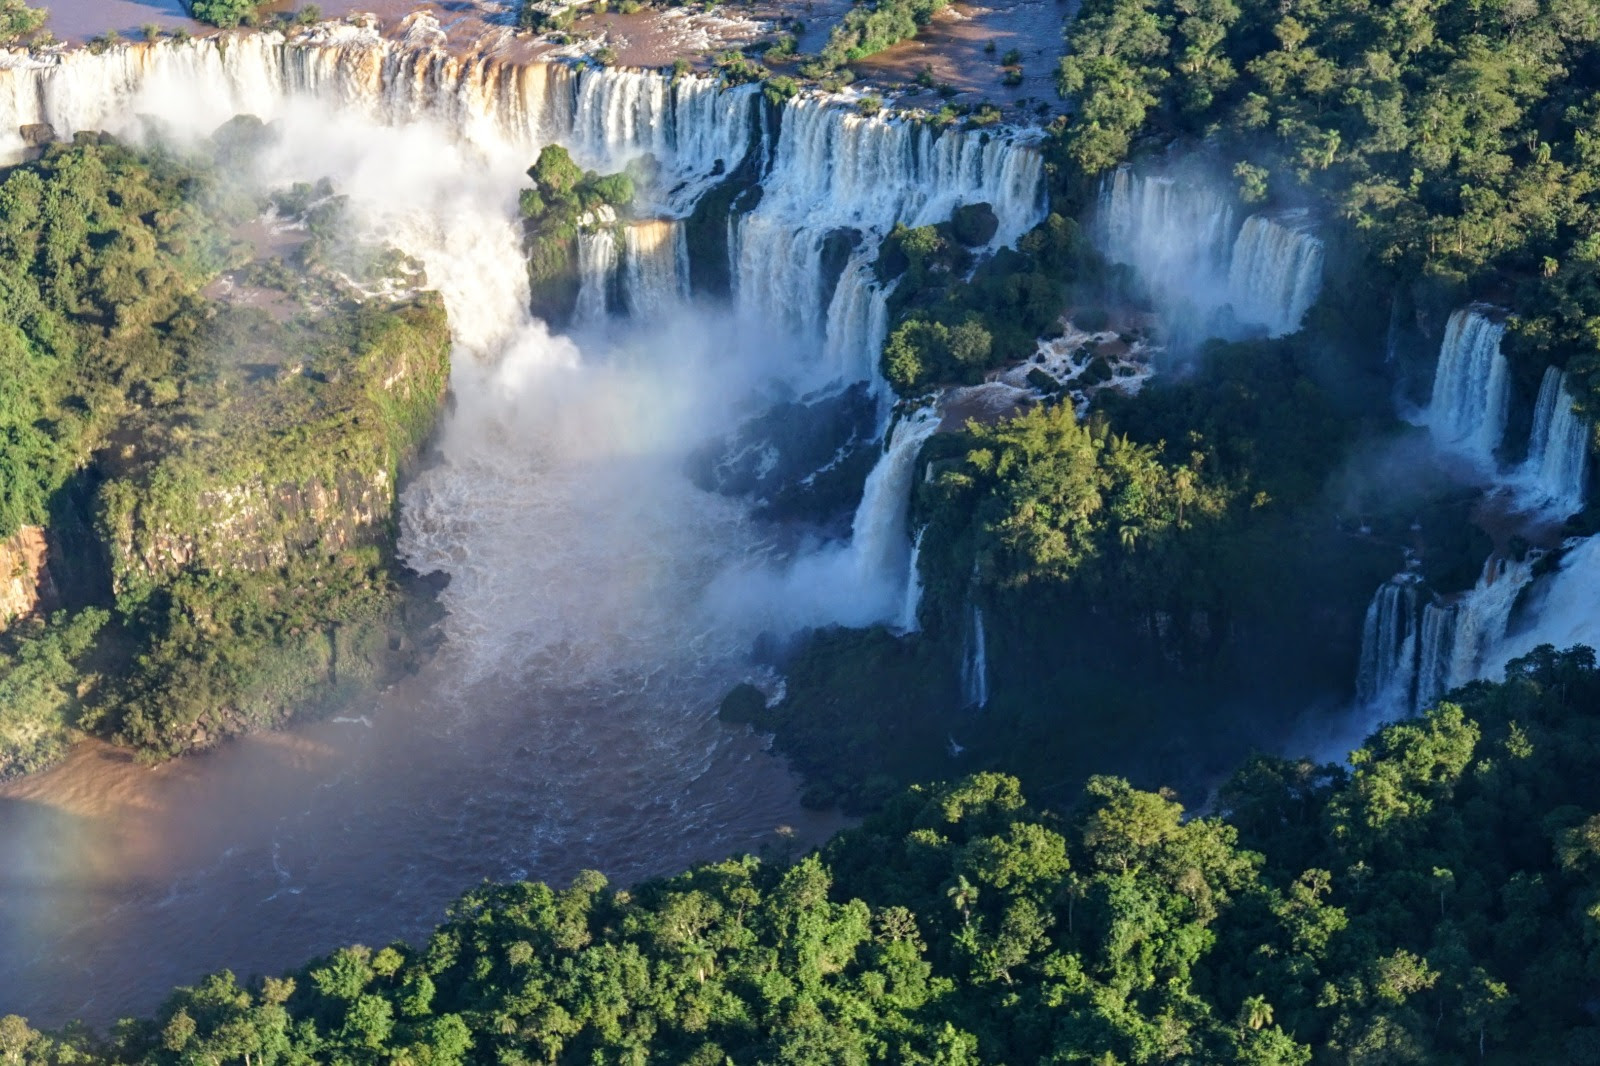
x=24, y=574
x=305, y=470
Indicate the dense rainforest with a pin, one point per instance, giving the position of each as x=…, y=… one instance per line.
x=1150, y=567
x=1454, y=142
x=197, y=429
x=1163, y=560
x=1432, y=903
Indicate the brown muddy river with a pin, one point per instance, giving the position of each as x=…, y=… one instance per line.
x=962, y=48
x=118, y=882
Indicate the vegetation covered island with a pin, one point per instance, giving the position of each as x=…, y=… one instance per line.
x=1046, y=488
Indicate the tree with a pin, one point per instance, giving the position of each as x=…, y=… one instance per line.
x=17, y=20
x=224, y=13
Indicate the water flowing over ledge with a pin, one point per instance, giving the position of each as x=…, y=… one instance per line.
x=1210, y=274
x=573, y=697
x=1467, y=413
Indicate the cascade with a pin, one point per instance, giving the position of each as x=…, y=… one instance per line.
x=1174, y=233
x=835, y=170
x=1276, y=272
x=975, y=661
x=1389, y=645
x=1556, y=469
x=879, y=544
x=1561, y=607
x=1458, y=638
x=607, y=117
x=655, y=266
x=1437, y=668
x=597, y=267
x=826, y=169
x=913, y=598
x=857, y=322
x=1180, y=237
x=1467, y=413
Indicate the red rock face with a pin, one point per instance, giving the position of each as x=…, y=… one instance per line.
x=24, y=574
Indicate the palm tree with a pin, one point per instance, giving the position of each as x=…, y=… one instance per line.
x=1255, y=1013
x=963, y=894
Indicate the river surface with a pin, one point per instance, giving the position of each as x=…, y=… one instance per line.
x=118, y=882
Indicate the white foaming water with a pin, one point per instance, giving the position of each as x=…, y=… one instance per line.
x=1556, y=471
x=1175, y=234
x=1275, y=273
x=579, y=555
x=836, y=170
x=857, y=322
x=913, y=598
x=859, y=583
x=1561, y=609
x=1458, y=639
x=597, y=268
x=655, y=267
x=1389, y=646
x=1467, y=413
x=1180, y=237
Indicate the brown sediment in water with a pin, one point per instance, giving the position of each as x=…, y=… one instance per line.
x=953, y=49
x=119, y=881
x=953, y=44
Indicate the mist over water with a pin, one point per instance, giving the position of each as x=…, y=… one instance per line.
x=598, y=603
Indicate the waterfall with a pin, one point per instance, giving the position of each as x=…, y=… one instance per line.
x=1557, y=467
x=1179, y=237
x=655, y=267
x=1276, y=272
x=597, y=268
x=975, y=661
x=1458, y=638
x=857, y=323
x=1467, y=413
x=1389, y=645
x=1175, y=234
x=824, y=169
x=879, y=543
x=834, y=170
x=1561, y=608
x=913, y=598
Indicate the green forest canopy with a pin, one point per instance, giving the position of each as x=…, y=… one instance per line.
x=1433, y=903
x=1457, y=140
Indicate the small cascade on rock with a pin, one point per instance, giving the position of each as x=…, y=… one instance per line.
x=858, y=322
x=879, y=545
x=1467, y=413
x=690, y=126
x=975, y=661
x=655, y=267
x=1458, y=638
x=1557, y=468
x=1561, y=608
x=1276, y=272
x=597, y=270
x=1389, y=645
x=913, y=601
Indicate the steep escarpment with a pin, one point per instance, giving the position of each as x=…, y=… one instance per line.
x=205, y=425
x=308, y=466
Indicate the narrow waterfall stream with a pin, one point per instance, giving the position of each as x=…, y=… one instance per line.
x=568, y=720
